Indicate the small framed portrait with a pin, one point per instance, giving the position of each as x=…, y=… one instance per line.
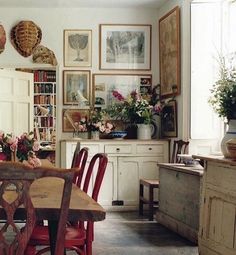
x=77, y=48
x=76, y=88
x=169, y=119
x=71, y=118
x=125, y=47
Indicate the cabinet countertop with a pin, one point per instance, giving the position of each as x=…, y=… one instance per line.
x=113, y=140
x=217, y=159
x=194, y=170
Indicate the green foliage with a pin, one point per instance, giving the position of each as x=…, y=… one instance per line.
x=223, y=98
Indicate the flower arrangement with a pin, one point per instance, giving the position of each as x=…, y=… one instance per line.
x=26, y=144
x=223, y=98
x=100, y=121
x=134, y=109
x=8, y=144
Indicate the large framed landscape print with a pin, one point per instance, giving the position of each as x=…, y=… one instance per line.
x=169, y=53
x=105, y=84
x=125, y=47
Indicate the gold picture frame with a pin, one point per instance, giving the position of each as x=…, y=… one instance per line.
x=169, y=119
x=76, y=88
x=77, y=48
x=169, y=53
x=125, y=47
x=104, y=84
x=74, y=115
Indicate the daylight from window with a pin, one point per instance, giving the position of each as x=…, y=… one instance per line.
x=212, y=35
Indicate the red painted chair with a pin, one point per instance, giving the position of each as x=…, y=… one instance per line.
x=16, y=180
x=77, y=238
x=79, y=161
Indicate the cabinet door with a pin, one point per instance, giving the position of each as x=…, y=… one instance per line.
x=148, y=168
x=128, y=179
x=108, y=191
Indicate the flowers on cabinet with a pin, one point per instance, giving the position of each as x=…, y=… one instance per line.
x=100, y=121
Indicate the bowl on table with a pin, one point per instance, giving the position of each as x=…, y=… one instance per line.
x=118, y=134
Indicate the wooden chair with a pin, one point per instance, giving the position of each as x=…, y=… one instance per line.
x=78, y=238
x=179, y=147
x=16, y=180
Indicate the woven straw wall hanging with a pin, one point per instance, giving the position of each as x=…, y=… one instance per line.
x=2, y=38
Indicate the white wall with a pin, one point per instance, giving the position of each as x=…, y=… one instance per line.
x=52, y=23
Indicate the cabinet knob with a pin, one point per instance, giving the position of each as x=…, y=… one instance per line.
x=149, y=149
x=117, y=149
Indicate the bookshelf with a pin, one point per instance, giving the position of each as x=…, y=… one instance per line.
x=45, y=106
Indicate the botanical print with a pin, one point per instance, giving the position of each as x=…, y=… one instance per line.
x=125, y=47
x=76, y=86
x=72, y=119
x=77, y=47
x=169, y=52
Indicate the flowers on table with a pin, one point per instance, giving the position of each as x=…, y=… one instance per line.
x=81, y=125
x=8, y=144
x=26, y=143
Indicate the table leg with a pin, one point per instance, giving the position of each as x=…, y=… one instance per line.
x=52, y=228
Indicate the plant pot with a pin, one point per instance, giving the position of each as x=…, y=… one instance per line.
x=230, y=134
x=95, y=135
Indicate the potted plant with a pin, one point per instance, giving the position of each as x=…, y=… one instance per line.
x=223, y=98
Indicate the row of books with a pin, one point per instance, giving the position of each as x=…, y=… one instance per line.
x=44, y=99
x=46, y=134
x=51, y=110
x=44, y=121
x=44, y=76
x=44, y=88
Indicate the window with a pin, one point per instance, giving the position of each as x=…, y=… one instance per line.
x=212, y=34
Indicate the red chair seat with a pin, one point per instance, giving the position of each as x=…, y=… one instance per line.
x=73, y=235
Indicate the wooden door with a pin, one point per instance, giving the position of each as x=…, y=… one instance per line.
x=16, y=101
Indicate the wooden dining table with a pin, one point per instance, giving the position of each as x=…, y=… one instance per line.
x=46, y=196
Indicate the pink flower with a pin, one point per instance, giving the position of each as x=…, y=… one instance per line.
x=117, y=95
x=1, y=135
x=36, y=146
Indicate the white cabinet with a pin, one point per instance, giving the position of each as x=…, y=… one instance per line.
x=128, y=161
x=217, y=232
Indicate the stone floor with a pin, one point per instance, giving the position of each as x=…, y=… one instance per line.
x=125, y=233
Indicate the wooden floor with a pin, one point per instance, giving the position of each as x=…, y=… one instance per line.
x=125, y=233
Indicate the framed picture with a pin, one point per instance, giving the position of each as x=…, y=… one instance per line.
x=77, y=48
x=169, y=119
x=104, y=84
x=76, y=88
x=125, y=47
x=72, y=117
x=169, y=53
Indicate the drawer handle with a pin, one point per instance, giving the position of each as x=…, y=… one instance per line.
x=150, y=149
x=117, y=149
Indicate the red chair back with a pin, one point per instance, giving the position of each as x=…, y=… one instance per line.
x=79, y=161
x=99, y=162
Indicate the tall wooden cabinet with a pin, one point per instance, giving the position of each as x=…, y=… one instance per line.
x=217, y=233
x=128, y=161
